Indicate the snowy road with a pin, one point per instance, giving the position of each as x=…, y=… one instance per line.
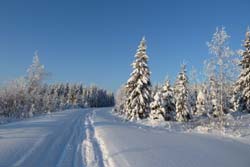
x=46, y=141
x=95, y=138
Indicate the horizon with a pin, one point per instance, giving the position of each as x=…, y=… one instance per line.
x=95, y=42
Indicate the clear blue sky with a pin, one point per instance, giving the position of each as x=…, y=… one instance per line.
x=94, y=41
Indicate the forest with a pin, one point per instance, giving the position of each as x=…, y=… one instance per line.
x=225, y=87
x=29, y=95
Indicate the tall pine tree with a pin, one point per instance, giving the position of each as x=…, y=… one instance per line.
x=182, y=97
x=138, y=86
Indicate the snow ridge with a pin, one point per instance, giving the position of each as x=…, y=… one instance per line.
x=91, y=151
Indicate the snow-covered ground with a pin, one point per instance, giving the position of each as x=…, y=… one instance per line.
x=51, y=140
x=96, y=138
x=235, y=126
x=128, y=144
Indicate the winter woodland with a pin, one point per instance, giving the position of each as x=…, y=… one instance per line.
x=29, y=95
x=224, y=89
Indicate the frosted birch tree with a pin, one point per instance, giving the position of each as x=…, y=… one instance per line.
x=36, y=75
x=222, y=77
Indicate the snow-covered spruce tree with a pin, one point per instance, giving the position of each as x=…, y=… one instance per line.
x=182, y=96
x=163, y=105
x=201, y=102
x=242, y=85
x=157, y=109
x=168, y=101
x=138, y=86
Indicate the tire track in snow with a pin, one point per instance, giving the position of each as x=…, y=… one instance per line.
x=29, y=152
x=91, y=151
x=61, y=147
x=71, y=154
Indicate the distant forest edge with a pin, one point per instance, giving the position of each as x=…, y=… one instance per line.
x=29, y=95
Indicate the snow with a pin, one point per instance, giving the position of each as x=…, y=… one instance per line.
x=130, y=144
x=236, y=126
x=91, y=151
x=97, y=138
x=51, y=140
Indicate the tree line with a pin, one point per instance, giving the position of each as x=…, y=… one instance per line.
x=29, y=95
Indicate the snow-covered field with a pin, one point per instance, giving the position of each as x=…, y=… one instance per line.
x=94, y=137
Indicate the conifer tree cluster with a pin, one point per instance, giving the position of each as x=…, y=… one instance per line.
x=163, y=104
x=211, y=98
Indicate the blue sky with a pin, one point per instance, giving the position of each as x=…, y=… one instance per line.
x=94, y=41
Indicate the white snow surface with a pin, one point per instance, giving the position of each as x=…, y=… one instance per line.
x=96, y=138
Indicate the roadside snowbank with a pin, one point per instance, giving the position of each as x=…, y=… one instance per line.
x=236, y=126
x=138, y=144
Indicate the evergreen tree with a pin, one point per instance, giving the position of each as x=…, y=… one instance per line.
x=157, y=109
x=242, y=86
x=163, y=106
x=201, y=103
x=138, y=87
x=182, y=96
x=168, y=101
